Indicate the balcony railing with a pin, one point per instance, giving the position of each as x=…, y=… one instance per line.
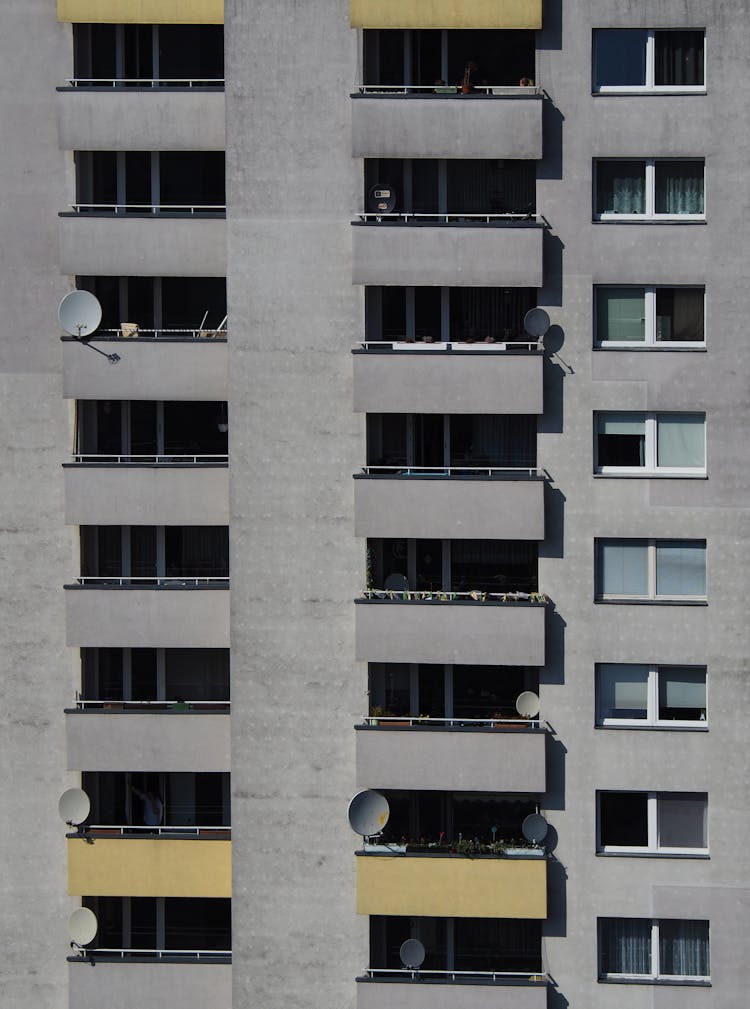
x=496, y=346
x=145, y=82
x=454, y=471
x=434, y=217
x=155, y=334
x=448, y=90
x=126, y=830
x=451, y=976
x=116, y=209
x=161, y=581
x=167, y=955
x=148, y=460
x=429, y=722
x=179, y=707
x=447, y=596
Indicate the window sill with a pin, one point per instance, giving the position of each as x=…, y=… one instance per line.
x=628, y=600
x=702, y=727
x=695, y=982
x=645, y=474
x=660, y=347
x=643, y=219
x=653, y=854
x=658, y=92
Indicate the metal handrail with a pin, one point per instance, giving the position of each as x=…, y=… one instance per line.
x=161, y=460
x=416, y=720
x=163, y=580
x=439, y=89
x=114, y=82
x=83, y=703
x=207, y=333
x=449, y=596
x=499, y=346
x=165, y=831
x=451, y=470
x=490, y=975
x=158, y=954
x=444, y=218
x=153, y=208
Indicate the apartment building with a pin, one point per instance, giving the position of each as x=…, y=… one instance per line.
x=317, y=503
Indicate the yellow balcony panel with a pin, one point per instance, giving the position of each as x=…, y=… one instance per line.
x=452, y=887
x=446, y=13
x=147, y=12
x=149, y=867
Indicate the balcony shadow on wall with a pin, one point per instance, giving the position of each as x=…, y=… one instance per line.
x=553, y=671
x=550, y=37
x=552, y=266
x=554, y=797
x=551, y=165
x=556, y=999
x=556, y=923
x=554, y=375
x=554, y=522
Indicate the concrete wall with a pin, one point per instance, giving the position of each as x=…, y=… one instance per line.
x=36, y=548
x=142, y=246
x=147, y=618
x=373, y=995
x=147, y=495
x=158, y=120
x=579, y=128
x=449, y=507
x=410, y=127
x=447, y=382
x=152, y=741
x=490, y=760
x=450, y=255
x=147, y=369
x=482, y=633
x=150, y=985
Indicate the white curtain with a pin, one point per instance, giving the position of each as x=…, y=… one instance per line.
x=626, y=946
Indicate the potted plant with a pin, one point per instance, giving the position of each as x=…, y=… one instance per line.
x=470, y=69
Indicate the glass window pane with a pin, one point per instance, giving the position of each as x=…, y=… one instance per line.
x=621, y=439
x=681, y=440
x=626, y=946
x=623, y=820
x=620, y=314
x=679, y=58
x=679, y=187
x=619, y=57
x=623, y=567
x=621, y=187
x=623, y=691
x=681, y=568
x=679, y=314
x=682, y=693
x=683, y=948
x=682, y=821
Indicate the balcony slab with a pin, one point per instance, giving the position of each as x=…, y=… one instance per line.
x=150, y=985
x=408, y=995
x=444, y=14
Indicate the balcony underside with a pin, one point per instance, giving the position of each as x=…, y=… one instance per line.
x=410, y=127
x=456, y=887
x=150, y=985
x=149, y=867
x=164, y=12
x=458, y=632
x=446, y=507
x=153, y=741
x=408, y=995
x=446, y=14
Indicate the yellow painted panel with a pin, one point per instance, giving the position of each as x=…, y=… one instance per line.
x=149, y=867
x=452, y=887
x=446, y=13
x=147, y=12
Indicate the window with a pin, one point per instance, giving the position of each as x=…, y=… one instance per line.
x=639, y=59
x=651, y=569
x=649, y=316
x=649, y=189
x=653, y=949
x=652, y=823
x=656, y=443
x=642, y=695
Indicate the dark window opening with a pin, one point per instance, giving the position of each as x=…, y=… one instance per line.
x=136, y=55
x=623, y=819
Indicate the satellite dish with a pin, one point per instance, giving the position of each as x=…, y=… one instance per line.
x=534, y=828
x=381, y=199
x=536, y=322
x=74, y=806
x=527, y=704
x=412, y=953
x=82, y=926
x=79, y=313
x=368, y=813
x=396, y=583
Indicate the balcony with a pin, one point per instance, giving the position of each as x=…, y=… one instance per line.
x=457, y=886
x=150, y=984
x=451, y=755
x=421, y=124
x=150, y=493
x=453, y=252
x=164, y=866
x=459, y=630
x=437, y=504
x=105, y=117
x=166, y=613
x=170, y=736
x=446, y=991
x=444, y=14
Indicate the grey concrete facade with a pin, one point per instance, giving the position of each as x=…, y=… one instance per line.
x=372, y=995
x=151, y=985
x=152, y=741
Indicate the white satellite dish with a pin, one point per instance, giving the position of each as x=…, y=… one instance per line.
x=82, y=926
x=527, y=704
x=74, y=806
x=536, y=322
x=79, y=313
x=534, y=828
x=368, y=813
x=412, y=953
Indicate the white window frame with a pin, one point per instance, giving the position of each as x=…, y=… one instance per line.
x=652, y=719
x=650, y=466
x=649, y=306
x=649, y=213
x=655, y=974
x=649, y=87
x=652, y=819
x=651, y=545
